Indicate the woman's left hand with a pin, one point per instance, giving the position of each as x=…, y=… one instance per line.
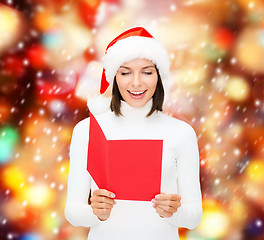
x=166, y=204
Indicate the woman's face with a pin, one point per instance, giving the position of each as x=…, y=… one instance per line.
x=137, y=81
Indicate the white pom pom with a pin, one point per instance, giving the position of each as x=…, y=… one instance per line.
x=98, y=105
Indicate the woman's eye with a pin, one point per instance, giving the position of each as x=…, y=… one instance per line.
x=148, y=73
x=124, y=73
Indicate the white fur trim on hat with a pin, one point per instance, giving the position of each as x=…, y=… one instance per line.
x=133, y=47
x=99, y=104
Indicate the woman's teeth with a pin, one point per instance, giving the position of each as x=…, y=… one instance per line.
x=137, y=93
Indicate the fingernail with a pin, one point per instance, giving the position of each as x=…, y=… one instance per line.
x=157, y=197
x=154, y=205
x=112, y=195
x=153, y=201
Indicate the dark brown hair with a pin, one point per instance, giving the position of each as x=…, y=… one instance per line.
x=158, y=98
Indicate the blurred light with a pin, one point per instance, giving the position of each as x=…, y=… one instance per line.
x=254, y=191
x=186, y=29
x=6, y=151
x=262, y=37
x=8, y=140
x=63, y=171
x=53, y=39
x=55, y=82
x=250, y=4
x=237, y=88
x=238, y=209
x=215, y=221
x=65, y=133
x=13, y=210
x=250, y=57
x=219, y=11
x=4, y=110
x=13, y=65
x=50, y=221
x=194, y=235
x=57, y=106
x=220, y=81
x=31, y=236
x=211, y=52
x=255, y=15
x=67, y=42
x=14, y=177
x=255, y=170
x=220, y=157
x=88, y=11
x=223, y=38
x=191, y=76
x=79, y=38
x=255, y=227
x=9, y=27
x=45, y=20
x=37, y=56
x=253, y=180
x=38, y=195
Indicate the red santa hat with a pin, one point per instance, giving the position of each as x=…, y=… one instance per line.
x=133, y=43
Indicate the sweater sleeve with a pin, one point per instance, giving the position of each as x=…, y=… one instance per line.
x=77, y=211
x=190, y=213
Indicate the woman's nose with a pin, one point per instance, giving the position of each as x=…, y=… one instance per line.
x=136, y=81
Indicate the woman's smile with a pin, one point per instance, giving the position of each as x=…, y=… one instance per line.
x=137, y=94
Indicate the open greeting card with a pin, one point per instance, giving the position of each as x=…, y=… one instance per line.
x=129, y=168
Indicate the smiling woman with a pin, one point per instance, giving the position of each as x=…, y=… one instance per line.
x=143, y=178
x=136, y=82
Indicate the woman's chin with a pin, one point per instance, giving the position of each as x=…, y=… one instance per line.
x=137, y=103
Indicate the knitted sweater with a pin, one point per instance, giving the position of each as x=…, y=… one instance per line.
x=138, y=219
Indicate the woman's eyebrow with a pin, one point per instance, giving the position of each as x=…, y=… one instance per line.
x=151, y=66
x=124, y=67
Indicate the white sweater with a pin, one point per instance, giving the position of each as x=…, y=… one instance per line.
x=138, y=219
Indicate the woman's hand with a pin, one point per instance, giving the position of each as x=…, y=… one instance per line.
x=166, y=204
x=102, y=203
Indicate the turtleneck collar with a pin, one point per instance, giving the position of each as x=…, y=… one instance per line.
x=132, y=112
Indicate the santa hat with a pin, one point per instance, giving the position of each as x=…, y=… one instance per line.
x=134, y=43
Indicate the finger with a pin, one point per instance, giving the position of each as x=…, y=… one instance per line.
x=163, y=213
x=102, y=214
x=174, y=204
x=163, y=196
x=167, y=208
x=103, y=192
x=97, y=205
x=100, y=199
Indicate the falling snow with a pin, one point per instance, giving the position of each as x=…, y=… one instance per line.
x=216, y=85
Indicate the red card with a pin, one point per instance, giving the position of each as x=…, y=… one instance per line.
x=129, y=168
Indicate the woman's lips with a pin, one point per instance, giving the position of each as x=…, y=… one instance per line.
x=137, y=94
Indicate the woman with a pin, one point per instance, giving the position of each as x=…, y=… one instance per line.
x=137, y=65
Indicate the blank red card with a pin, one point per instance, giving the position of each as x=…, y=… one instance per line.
x=129, y=168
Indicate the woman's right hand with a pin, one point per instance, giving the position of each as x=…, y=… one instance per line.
x=102, y=203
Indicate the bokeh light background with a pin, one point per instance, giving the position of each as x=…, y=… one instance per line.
x=50, y=63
